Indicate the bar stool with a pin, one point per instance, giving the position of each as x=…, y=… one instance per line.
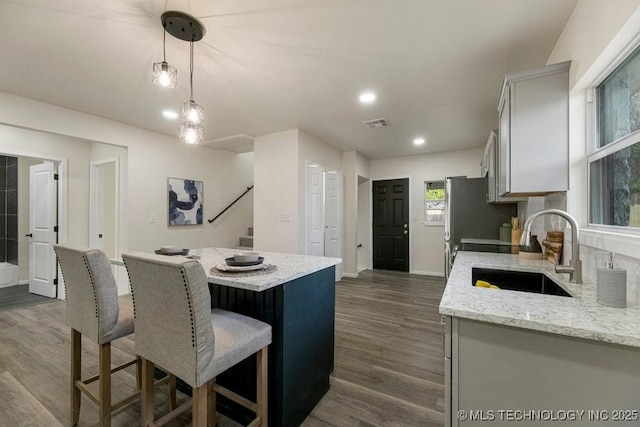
x=93, y=309
x=177, y=329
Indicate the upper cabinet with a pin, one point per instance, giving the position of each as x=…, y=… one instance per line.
x=490, y=170
x=533, y=139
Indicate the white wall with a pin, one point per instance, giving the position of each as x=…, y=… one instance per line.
x=427, y=243
x=276, y=192
x=151, y=158
x=588, y=32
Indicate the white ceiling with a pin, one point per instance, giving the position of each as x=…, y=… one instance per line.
x=270, y=65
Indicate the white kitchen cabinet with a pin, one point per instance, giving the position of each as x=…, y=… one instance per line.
x=494, y=368
x=534, y=132
x=490, y=165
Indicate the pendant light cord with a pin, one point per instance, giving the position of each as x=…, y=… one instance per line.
x=191, y=70
x=164, y=44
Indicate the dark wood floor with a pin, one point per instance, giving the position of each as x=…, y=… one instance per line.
x=19, y=296
x=388, y=368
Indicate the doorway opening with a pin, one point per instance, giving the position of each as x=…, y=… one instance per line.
x=391, y=224
x=323, y=219
x=103, y=206
x=28, y=229
x=364, y=248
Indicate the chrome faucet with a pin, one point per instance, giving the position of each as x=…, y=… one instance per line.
x=575, y=266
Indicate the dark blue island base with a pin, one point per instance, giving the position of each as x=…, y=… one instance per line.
x=302, y=315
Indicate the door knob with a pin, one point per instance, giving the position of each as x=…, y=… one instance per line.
x=28, y=235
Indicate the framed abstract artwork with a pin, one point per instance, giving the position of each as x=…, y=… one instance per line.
x=185, y=201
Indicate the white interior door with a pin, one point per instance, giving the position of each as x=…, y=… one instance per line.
x=42, y=223
x=332, y=210
x=315, y=211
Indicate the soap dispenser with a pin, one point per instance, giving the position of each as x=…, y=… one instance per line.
x=611, y=284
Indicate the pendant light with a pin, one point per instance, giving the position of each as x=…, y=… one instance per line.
x=186, y=27
x=191, y=111
x=164, y=75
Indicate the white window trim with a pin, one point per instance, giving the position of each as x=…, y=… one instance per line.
x=621, y=240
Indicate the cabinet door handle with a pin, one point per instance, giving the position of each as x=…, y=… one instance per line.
x=28, y=235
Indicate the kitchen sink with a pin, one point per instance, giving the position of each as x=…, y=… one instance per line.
x=523, y=281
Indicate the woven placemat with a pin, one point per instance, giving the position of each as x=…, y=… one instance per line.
x=268, y=269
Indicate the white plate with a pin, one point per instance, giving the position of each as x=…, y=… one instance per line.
x=230, y=269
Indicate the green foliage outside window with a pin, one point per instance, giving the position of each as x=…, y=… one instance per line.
x=435, y=194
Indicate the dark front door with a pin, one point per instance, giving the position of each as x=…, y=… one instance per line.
x=391, y=224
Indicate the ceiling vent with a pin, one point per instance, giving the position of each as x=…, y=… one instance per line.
x=377, y=123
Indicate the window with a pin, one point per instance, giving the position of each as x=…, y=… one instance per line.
x=614, y=166
x=434, y=203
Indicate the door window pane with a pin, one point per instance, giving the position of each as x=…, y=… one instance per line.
x=615, y=188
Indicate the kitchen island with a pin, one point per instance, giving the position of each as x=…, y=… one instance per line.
x=518, y=351
x=298, y=301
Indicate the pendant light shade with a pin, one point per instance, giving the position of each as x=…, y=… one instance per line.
x=190, y=133
x=192, y=112
x=190, y=130
x=165, y=75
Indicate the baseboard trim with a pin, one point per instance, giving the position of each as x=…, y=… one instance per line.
x=23, y=282
x=427, y=273
x=350, y=275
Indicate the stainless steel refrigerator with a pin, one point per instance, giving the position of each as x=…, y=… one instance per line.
x=468, y=215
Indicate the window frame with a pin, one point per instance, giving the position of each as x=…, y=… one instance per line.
x=595, y=153
x=425, y=221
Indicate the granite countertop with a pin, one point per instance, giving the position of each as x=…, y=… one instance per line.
x=289, y=267
x=580, y=316
x=493, y=242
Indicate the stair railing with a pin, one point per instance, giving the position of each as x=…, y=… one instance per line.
x=231, y=204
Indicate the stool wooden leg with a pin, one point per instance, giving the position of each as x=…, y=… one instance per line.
x=200, y=397
x=139, y=373
x=104, y=362
x=212, y=404
x=171, y=390
x=147, y=393
x=263, y=384
x=76, y=364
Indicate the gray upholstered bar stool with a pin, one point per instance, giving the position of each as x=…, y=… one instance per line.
x=93, y=309
x=177, y=329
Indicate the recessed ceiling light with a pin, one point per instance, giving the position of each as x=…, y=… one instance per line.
x=418, y=141
x=171, y=115
x=367, y=97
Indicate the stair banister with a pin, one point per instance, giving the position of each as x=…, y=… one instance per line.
x=231, y=204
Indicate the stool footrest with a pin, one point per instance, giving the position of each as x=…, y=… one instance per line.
x=235, y=397
x=82, y=386
x=114, y=370
x=171, y=415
